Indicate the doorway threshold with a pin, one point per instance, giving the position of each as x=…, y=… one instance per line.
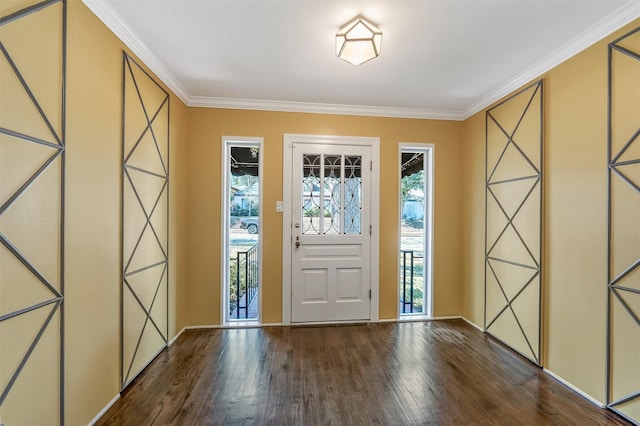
x=414, y=317
x=242, y=324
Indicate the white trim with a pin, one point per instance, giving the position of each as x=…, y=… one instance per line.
x=592, y=35
x=241, y=324
x=412, y=317
x=173, y=340
x=227, y=143
x=322, y=108
x=429, y=149
x=202, y=327
x=103, y=10
x=332, y=323
x=287, y=161
x=431, y=164
x=375, y=235
x=224, y=229
x=474, y=325
x=598, y=31
x=446, y=318
x=279, y=324
x=574, y=388
x=104, y=410
x=380, y=321
x=420, y=318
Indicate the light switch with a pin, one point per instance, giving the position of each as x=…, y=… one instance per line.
x=279, y=206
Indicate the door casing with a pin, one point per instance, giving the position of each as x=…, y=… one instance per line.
x=428, y=149
x=227, y=143
x=288, y=141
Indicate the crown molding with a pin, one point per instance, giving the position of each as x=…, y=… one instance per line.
x=114, y=22
x=611, y=23
x=616, y=20
x=117, y=25
x=320, y=108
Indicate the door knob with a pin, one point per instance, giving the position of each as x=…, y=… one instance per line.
x=297, y=225
x=297, y=242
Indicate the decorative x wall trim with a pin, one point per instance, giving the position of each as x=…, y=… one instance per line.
x=623, y=343
x=513, y=221
x=32, y=167
x=145, y=219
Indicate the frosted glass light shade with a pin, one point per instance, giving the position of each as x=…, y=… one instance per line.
x=358, y=41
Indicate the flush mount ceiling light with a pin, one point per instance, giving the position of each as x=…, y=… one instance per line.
x=358, y=41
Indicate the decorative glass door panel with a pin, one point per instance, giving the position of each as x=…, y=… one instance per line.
x=331, y=194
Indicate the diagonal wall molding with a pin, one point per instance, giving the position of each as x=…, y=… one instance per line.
x=623, y=201
x=503, y=317
x=145, y=328
x=32, y=320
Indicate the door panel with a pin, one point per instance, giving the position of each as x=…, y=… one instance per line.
x=314, y=286
x=331, y=253
x=348, y=284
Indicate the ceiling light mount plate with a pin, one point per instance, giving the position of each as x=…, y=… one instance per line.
x=358, y=41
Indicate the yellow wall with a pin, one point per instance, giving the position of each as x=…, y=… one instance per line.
x=207, y=126
x=94, y=170
x=473, y=168
x=32, y=222
x=575, y=241
x=92, y=240
x=514, y=192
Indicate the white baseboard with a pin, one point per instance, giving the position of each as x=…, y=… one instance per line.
x=330, y=323
x=104, y=410
x=422, y=318
x=445, y=318
x=199, y=327
x=279, y=324
x=172, y=341
x=575, y=389
x=471, y=323
x=241, y=324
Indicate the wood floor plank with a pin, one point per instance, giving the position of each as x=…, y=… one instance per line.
x=420, y=373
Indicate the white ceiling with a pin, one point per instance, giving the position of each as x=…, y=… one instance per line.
x=440, y=59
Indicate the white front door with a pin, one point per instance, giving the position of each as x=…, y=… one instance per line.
x=331, y=232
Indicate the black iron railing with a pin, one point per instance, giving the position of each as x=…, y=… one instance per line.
x=409, y=300
x=244, y=281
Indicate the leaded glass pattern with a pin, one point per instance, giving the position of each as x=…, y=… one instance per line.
x=331, y=194
x=353, y=195
x=311, y=201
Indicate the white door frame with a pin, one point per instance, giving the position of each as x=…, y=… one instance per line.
x=429, y=151
x=227, y=142
x=287, y=153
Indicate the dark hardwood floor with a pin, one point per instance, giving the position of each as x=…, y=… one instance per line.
x=427, y=373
